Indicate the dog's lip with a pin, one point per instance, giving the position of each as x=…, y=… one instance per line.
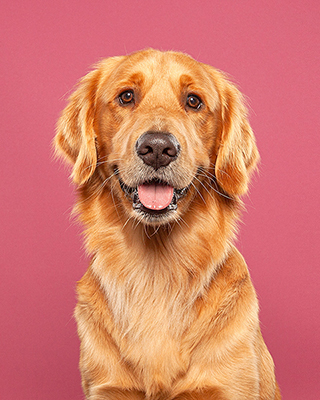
x=132, y=194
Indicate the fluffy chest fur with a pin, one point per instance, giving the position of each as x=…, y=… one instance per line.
x=153, y=305
x=156, y=314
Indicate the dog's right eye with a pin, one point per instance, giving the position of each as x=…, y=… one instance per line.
x=194, y=101
x=126, y=97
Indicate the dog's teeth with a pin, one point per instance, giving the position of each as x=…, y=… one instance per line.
x=174, y=198
x=181, y=192
x=123, y=186
x=135, y=200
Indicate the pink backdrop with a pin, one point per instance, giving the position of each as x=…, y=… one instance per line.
x=271, y=48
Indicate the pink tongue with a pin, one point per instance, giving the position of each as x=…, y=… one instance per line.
x=155, y=196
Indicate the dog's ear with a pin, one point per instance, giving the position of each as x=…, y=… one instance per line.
x=236, y=151
x=75, y=138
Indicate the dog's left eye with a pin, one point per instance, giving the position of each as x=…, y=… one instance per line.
x=194, y=101
x=126, y=97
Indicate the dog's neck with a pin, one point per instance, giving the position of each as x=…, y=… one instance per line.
x=186, y=251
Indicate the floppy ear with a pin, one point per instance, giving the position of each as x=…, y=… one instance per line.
x=76, y=139
x=237, y=153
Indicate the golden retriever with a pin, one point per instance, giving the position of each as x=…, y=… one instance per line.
x=162, y=150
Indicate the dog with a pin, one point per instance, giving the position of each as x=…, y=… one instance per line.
x=161, y=152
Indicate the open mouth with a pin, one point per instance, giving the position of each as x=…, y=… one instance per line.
x=154, y=197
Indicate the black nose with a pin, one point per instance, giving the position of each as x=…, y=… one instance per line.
x=157, y=149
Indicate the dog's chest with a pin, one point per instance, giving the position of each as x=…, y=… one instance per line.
x=151, y=320
x=155, y=349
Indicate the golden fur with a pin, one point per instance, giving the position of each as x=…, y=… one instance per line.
x=166, y=309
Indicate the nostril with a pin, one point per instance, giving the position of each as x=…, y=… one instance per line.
x=143, y=150
x=170, y=151
x=157, y=149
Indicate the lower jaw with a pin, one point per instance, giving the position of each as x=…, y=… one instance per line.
x=155, y=219
x=156, y=216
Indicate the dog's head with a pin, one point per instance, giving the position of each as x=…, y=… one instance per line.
x=158, y=129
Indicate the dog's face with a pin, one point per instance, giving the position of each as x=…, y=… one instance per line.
x=158, y=129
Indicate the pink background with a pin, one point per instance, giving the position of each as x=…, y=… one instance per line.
x=271, y=48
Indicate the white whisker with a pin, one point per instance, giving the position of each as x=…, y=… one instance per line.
x=200, y=195
x=124, y=225
x=206, y=175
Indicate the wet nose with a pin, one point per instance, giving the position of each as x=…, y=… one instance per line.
x=157, y=149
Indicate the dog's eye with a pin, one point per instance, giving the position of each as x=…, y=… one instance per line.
x=126, y=97
x=194, y=101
